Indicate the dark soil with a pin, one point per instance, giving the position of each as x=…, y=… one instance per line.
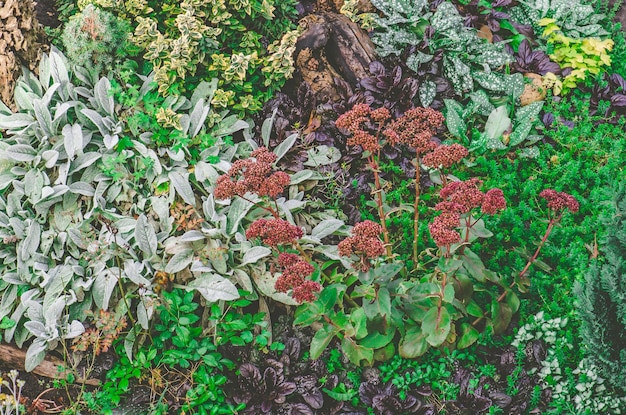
x=47, y=13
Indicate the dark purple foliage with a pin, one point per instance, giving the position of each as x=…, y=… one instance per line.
x=529, y=61
x=614, y=91
x=385, y=400
x=260, y=392
x=470, y=400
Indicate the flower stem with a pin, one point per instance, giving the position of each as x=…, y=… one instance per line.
x=532, y=260
x=416, y=214
x=379, y=202
x=553, y=221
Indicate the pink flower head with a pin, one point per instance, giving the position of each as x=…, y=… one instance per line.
x=305, y=291
x=415, y=129
x=464, y=195
x=364, y=243
x=364, y=139
x=493, y=201
x=442, y=228
x=351, y=120
x=295, y=272
x=558, y=201
x=254, y=175
x=380, y=115
x=274, y=232
x=445, y=156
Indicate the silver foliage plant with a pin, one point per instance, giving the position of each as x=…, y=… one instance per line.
x=76, y=237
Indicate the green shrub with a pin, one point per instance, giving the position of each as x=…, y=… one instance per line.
x=246, y=44
x=95, y=38
x=602, y=299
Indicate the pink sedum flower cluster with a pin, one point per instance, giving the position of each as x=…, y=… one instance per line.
x=459, y=198
x=445, y=156
x=254, y=175
x=559, y=201
x=443, y=228
x=354, y=120
x=365, y=243
x=295, y=272
x=415, y=129
x=274, y=232
x=462, y=197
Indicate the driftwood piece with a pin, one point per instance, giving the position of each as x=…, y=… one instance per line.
x=332, y=46
x=14, y=358
x=21, y=43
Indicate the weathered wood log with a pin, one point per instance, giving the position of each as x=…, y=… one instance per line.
x=14, y=358
x=331, y=47
x=21, y=43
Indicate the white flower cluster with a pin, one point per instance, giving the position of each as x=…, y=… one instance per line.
x=589, y=395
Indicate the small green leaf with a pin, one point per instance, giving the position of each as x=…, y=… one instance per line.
x=500, y=316
x=357, y=353
x=448, y=293
x=414, y=343
x=468, y=336
x=474, y=309
x=436, y=325
x=7, y=323
x=321, y=339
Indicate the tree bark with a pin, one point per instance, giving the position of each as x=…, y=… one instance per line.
x=14, y=357
x=21, y=44
x=332, y=47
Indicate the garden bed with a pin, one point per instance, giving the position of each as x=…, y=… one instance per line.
x=313, y=207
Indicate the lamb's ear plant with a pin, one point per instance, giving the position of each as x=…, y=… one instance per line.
x=87, y=205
